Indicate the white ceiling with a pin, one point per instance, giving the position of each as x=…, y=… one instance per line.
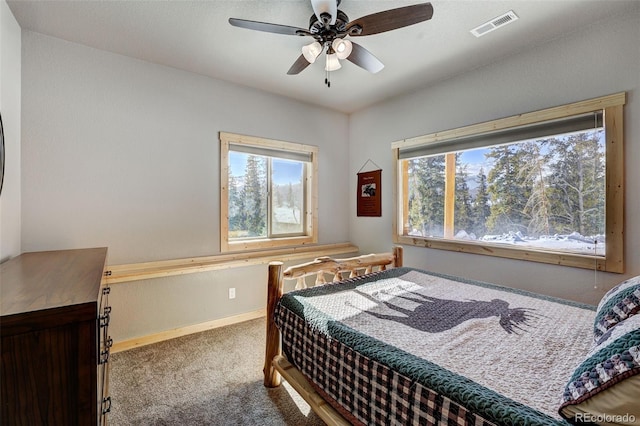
x=196, y=36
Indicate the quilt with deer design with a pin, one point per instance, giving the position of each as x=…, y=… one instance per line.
x=502, y=354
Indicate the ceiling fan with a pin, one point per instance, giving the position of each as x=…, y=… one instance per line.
x=330, y=26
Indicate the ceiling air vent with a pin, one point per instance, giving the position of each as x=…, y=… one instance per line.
x=494, y=24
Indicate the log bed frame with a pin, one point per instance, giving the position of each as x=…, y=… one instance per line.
x=276, y=366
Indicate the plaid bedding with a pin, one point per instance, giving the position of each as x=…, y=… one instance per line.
x=363, y=390
x=374, y=383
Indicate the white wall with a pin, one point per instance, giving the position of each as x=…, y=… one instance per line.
x=10, y=65
x=123, y=153
x=601, y=59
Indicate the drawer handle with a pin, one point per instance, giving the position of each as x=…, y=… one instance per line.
x=106, y=405
x=104, y=356
x=105, y=317
x=104, y=320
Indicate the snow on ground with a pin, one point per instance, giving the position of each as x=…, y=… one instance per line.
x=574, y=242
x=287, y=215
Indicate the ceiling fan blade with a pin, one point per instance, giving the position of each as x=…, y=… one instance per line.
x=364, y=59
x=267, y=27
x=300, y=64
x=325, y=6
x=390, y=19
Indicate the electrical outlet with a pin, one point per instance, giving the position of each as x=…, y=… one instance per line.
x=232, y=292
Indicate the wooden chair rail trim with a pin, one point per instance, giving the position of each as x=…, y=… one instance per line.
x=164, y=268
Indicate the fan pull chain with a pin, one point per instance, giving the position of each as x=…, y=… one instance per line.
x=327, y=73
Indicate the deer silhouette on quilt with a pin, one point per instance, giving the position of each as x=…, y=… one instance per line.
x=434, y=315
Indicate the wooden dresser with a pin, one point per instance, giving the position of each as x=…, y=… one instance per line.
x=55, y=343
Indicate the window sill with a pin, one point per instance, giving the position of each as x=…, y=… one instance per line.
x=265, y=243
x=510, y=252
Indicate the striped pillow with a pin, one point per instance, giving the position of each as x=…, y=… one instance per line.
x=619, y=303
x=605, y=387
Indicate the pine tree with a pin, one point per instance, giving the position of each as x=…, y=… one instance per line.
x=237, y=210
x=426, y=195
x=481, y=208
x=538, y=205
x=463, y=210
x=578, y=184
x=291, y=201
x=254, y=195
x=277, y=191
x=509, y=193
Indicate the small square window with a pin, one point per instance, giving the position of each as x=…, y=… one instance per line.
x=268, y=193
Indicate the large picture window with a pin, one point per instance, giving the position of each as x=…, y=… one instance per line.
x=544, y=186
x=268, y=193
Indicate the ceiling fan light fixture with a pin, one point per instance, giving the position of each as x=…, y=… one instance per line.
x=328, y=26
x=333, y=63
x=311, y=51
x=342, y=48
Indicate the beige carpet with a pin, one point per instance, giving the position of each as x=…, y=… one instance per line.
x=208, y=378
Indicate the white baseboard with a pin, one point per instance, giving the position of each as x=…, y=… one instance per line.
x=183, y=331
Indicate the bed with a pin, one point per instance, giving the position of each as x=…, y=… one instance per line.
x=374, y=343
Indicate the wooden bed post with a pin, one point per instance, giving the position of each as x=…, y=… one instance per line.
x=397, y=255
x=274, y=293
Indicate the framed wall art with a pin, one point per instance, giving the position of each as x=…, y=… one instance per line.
x=369, y=196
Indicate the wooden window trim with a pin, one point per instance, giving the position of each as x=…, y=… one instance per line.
x=311, y=200
x=613, y=261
